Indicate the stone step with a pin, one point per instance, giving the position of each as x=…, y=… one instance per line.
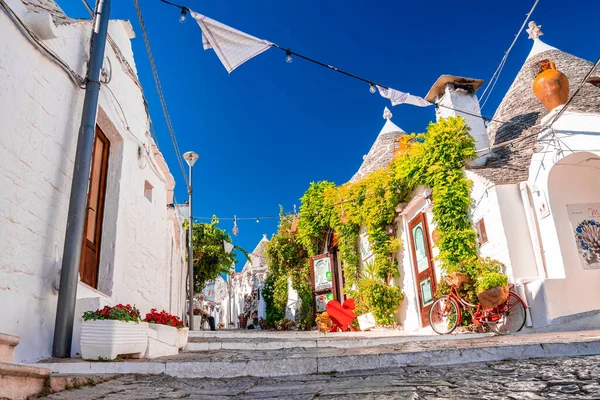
x=60, y=382
x=272, y=342
x=21, y=381
x=7, y=347
x=304, y=361
x=260, y=334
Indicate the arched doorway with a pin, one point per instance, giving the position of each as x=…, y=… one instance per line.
x=574, y=197
x=573, y=189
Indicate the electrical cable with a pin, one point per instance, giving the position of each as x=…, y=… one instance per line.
x=161, y=95
x=494, y=79
x=32, y=37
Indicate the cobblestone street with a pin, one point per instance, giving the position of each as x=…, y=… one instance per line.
x=564, y=378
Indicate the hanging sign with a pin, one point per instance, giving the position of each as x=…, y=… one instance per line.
x=541, y=203
x=585, y=222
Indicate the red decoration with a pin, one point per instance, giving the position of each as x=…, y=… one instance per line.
x=341, y=315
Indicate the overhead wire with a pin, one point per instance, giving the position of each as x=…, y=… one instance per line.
x=372, y=82
x=131, y=73
x=161, y=95
x=494, y=79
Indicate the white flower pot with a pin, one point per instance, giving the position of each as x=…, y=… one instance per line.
x=106, y=339
x=164, y=333
x=182, y=336
x=197, y=319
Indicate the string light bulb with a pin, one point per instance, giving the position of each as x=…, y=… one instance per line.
x=371, y=88
x=288, y=57
x=257, y=220
x=183, y=15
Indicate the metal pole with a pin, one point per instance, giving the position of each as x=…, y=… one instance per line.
x=67, y=296
x=230, y=302
x=190, y=257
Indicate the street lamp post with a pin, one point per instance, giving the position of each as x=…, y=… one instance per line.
x=190, y=157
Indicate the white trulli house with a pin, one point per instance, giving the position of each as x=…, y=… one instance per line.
x=536, y=192
x=134, y=246
x=245, y=287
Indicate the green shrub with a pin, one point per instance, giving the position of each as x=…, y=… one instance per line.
x=375, y=296
x=491, y=280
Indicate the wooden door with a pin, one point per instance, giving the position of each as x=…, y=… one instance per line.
x=423, y=265
x=92, y=232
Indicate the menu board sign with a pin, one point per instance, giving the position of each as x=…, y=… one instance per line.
x=322, y=274
x=321, y=301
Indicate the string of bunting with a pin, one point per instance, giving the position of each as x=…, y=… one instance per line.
x=234, y=47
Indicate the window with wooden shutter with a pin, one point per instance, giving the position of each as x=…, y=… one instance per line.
x=481, y=232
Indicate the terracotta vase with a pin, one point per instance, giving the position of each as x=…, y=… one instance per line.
x=551, y=86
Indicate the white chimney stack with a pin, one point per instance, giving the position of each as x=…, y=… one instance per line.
x=455, y=96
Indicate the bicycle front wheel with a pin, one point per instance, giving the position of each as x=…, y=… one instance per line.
x=514, y=314
x=443, y=315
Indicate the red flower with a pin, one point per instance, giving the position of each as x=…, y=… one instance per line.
x=163, y=318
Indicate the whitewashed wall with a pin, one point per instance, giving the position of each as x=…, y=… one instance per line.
x=484, y=198
x=566, y=171
x=40, y=111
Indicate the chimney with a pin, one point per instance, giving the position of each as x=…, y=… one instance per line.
x=455, y=96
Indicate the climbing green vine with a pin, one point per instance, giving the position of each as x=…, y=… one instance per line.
x=334, y=216
x=287, y=258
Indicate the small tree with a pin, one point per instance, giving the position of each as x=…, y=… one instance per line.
x=210, y=257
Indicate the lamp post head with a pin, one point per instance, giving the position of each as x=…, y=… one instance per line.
x=190, y=157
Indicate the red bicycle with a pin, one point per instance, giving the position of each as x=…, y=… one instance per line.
x=509, y=317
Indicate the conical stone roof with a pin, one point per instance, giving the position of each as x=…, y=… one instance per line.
x=382, y=151
x=520, y=113
x=258, y=256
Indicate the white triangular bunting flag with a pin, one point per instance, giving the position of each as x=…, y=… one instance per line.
x=233, y=47
x=228, y=247
x=398, y=97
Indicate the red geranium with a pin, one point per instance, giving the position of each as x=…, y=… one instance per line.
x=163, y=318
x=119, y=312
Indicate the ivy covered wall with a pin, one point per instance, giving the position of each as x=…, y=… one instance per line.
x=435, y=159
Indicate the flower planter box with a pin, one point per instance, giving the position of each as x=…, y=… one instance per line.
x=166, y=334
x=182, y=337
x=106, y=339
x=493, y=297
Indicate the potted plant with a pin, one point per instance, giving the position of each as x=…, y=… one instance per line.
x=167, y=327
x=492, y=289
x=111, y=331
x=263, y=324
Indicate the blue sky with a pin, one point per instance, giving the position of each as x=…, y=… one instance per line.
x=269, y=128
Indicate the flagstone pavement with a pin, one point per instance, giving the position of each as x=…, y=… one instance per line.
x=558, y=378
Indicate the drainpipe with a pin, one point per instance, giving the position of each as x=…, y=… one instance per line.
x=533, y=233
x=537, y=249
x=67, y=295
